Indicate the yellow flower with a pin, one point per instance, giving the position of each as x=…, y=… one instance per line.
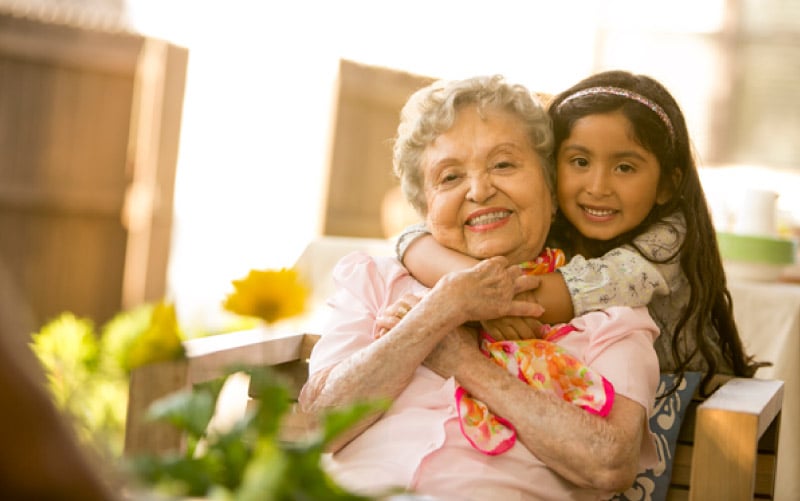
x=268, y=294
x=161, y=341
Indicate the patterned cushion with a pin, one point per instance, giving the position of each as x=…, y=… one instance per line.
x=665, y=423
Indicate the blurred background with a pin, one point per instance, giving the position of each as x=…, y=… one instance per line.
x=274, y=127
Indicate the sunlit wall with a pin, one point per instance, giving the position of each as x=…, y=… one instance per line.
x=261, y=79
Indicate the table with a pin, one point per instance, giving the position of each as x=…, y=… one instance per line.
x=768, y=317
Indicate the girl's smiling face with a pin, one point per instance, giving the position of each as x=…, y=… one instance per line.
x=607, y=182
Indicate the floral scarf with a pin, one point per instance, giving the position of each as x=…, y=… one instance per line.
x=542, y=364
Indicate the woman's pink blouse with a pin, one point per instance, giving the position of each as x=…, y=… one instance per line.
x=417, y=444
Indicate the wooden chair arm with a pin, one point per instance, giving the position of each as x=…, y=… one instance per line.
x=210, y=356
x=729, y=425
x=206, y=358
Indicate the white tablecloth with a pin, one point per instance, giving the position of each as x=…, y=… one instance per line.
x=768, y=316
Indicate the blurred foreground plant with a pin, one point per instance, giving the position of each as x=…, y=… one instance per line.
x=87, y=372
x=249, y=461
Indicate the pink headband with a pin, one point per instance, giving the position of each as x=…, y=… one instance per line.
x=617, y=91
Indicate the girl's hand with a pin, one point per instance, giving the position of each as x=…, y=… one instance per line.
x=515, y=328
x=512, y=328
x=395, y=312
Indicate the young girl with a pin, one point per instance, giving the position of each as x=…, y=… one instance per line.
x=633, y=219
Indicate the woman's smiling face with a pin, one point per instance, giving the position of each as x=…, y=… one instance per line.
x=485, y=188
x=607, y=182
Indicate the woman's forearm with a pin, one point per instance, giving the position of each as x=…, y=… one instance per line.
x=588, y=450
x=385, y=367
x=382, y=370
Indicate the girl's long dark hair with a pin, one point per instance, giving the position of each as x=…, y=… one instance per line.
x=710, y=300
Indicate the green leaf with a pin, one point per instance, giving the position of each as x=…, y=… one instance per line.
x=189, y=411
x=272, y=401
x=232, y=452
x=265, y=473
x=174, y=475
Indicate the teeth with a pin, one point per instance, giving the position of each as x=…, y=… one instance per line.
x=487, y=218
x=599, y=212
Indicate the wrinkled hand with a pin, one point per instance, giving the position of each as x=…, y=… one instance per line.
x=394, y=313
x=488, y=290
x=514, y=328
x=451, y=351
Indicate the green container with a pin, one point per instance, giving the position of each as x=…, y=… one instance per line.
x=756, y=249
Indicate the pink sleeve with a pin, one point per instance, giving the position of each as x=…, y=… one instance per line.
x=364, y=286
x=632, y=364
x=621, y=349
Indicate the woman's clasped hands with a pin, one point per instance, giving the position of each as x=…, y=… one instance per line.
x=493, y=292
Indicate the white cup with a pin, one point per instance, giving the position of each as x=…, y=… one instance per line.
x=755, y=214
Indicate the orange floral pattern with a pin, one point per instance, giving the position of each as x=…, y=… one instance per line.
x=542, y=364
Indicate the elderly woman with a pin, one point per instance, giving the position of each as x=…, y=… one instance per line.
x=473, y=157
